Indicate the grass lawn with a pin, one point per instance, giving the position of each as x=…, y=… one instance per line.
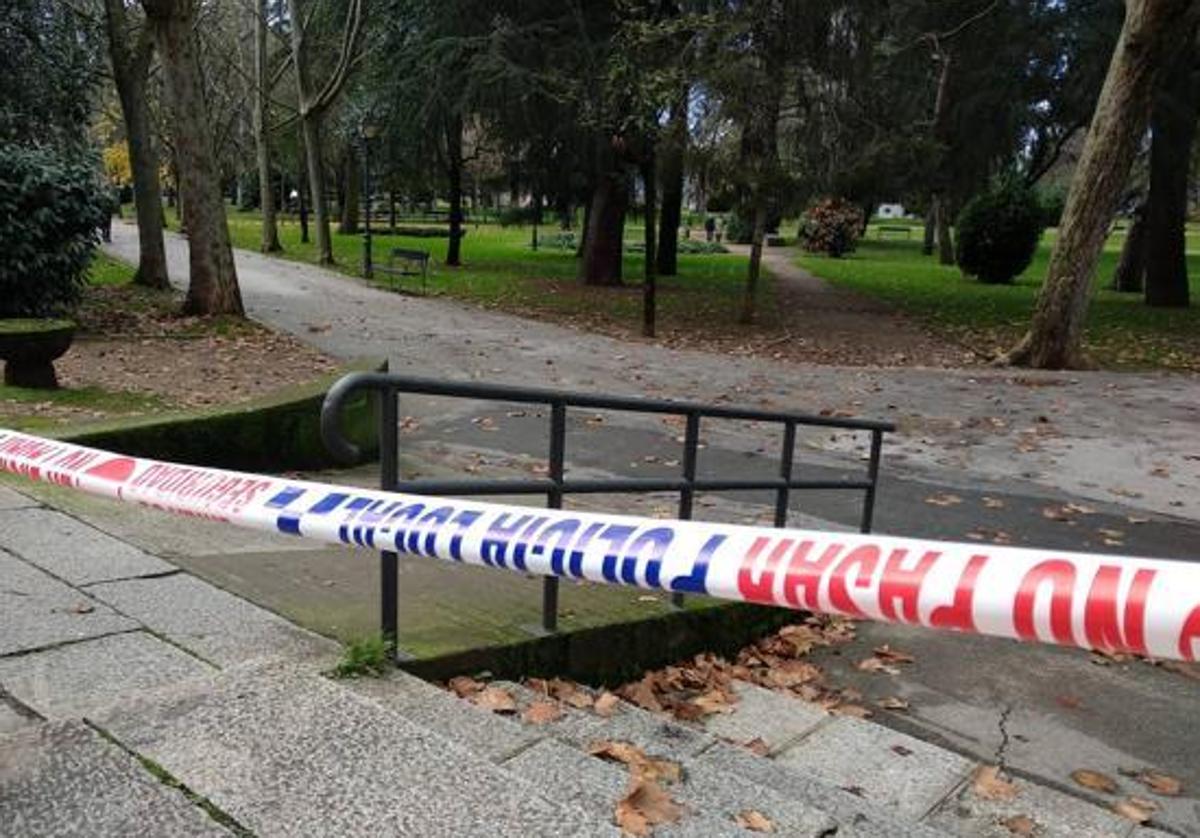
x=1121, y=331
x=500, y=270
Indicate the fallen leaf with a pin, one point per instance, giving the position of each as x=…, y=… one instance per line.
x=989, y=784
x=754, y=821
x=464, y=687
x=757, y=746
x=639, y=763
x=993, y=503
x=892, y=655
x=1159, y=782
x=893, y=703
x=645, y=806
x=902, y=751
x=1020, y=825
x=943, y=499
x=82, y=608
x=1133, y=809
x=877, y=665
x=496, y=699
x=714, y=702
x=606, y=705
x=642, y=694
x=853, y=710
x=542, y=712
x=1094, y=780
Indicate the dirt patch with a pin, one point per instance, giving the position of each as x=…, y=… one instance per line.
x=135, y=354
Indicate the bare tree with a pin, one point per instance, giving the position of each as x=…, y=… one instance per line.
x=262, y=132
x=314, y=102
x=1055, y=337
x=212, y=286
x=130, y=48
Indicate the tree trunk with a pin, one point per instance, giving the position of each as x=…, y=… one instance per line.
x=131, y=69
x=673, y=150
x=1131, y=267
x=930, y=227
x=311, y=126
x=352, y=195
x=1173, y=127
x=262, y=134
x=583, y=230
x=454, y=179
x=302, y=205
x=755, y=268
x=212, y=285
x=649, y=282
x=1055, y=336
x=945, y=240
x=941, y=133
x=603, y=247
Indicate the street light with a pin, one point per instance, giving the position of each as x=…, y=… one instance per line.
x=369, y=132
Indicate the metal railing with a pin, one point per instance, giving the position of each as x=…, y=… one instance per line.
x=555, y=486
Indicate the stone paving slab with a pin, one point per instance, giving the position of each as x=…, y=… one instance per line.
x=884, y=766
x=214, y=624
x=10, y=499
x=764, y=714
x=72, y=550
x=62, y=778
x=288, y=753
x=1055, y=814
x=485, y=733
x=37, y=610
x=74, y=680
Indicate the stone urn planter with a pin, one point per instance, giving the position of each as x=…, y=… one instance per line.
x=29, y=347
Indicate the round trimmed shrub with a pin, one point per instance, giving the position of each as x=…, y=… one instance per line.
x=831, y=226
x=52, y=204
x=998, y=233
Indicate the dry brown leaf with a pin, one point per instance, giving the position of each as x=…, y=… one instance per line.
x=542, y=712
x=993, y=503
x=82, y=608
x=1020, y=825
x=644, y=807
x=990, y=784
x=853, y=710
x=1134, y=809
x=606, y=705
x=877, y=665
x=754, y=821
x=496, y=699
x=639, y=763
x=943, y=499
x=758, y=746
x=1094, y=780
x=893, y=703
x=1159, y=782
x=713, y=702
x=464, y=687
x=642, y=694
x=892, y=655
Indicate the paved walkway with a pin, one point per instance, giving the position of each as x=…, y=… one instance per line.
x=1131, y=439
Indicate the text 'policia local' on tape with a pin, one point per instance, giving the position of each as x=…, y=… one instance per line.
x=1145, y=606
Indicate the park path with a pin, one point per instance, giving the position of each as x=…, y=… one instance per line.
x=1130, y=439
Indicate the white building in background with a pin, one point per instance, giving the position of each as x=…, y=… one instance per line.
x=890, y=211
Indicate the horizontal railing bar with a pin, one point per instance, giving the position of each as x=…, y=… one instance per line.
x=594, y=486
x=535, y=395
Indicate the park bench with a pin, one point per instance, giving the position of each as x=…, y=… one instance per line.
x=402, y=261
x=893, y=228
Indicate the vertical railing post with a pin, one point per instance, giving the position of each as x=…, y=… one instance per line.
x=554, y=500
x=783, y=495
x=687, y=495
x=389, y=477
x=868, y=513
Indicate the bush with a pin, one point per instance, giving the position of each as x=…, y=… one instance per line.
x=998, y=232
x=831, y=226
x=1052, y=202
x=52, y=204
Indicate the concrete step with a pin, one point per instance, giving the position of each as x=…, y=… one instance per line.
x=62, y=778
x=286, y=751
x=718, y=788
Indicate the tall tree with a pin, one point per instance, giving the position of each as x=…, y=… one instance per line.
x=1055, y=337
x=212, y=285
x=315, y=101
x=1173, y=129
x=130, y=48
x=259, y=117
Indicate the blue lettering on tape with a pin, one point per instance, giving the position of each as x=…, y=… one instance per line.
x=696, y=582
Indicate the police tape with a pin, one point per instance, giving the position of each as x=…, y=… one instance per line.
x=1144, y=606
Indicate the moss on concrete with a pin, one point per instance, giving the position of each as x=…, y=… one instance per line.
x=278, y=432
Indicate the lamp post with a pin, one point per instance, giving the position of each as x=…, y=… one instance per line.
x=369, y=132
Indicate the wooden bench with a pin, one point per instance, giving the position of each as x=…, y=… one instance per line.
x=402, y=261
x=893, y=228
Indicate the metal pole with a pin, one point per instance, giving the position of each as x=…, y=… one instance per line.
x=554, y=500
x=785, y=471
x=872, y=476
x=691, y=441
x=368, y=266
x=389, y=474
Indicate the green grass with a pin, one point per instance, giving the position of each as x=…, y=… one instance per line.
x=501, y=270
x=19, y=406
x=369, y=657
x=1121, y=331
x=105, y=270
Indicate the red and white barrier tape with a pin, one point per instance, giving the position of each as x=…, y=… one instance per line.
x=1146, y=606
